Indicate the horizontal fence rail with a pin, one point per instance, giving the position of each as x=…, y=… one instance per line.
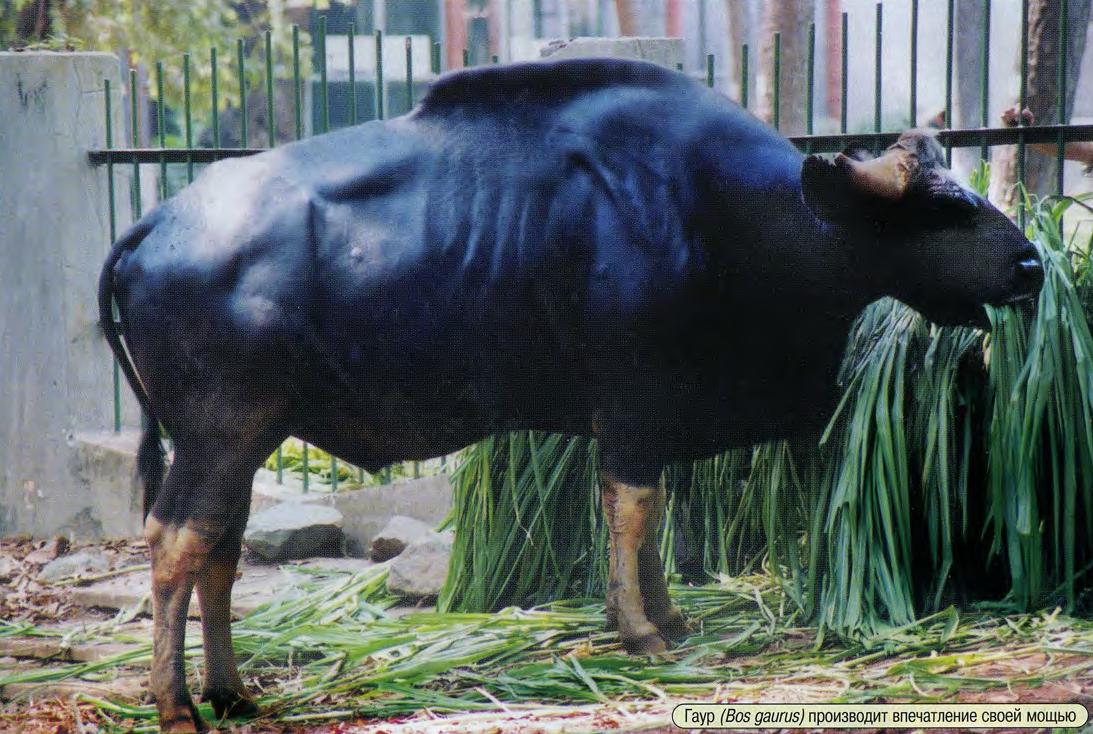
x=962, y=138
x=293, y=79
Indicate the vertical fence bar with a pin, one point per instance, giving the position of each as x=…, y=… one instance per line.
x=776, y=92
x=810, y=84
x=495, y=59
x=134, y=127
x=949, y=40
x=845, y=70
x=379, y=75
x=410, y=74
x=325, y=116
x=466, y=58
x=324, y=94
x=271, y=119
x=913, y=104
x=710, y=69
x=1064, y=52
x=877, y=68
x=352, y=39
x=984, y=78
x=240, y=60
x=307, y=470
x=744, y=76
x=215, y=96
x=188, y=115
x=1022, y=98
x=110, y=198
x=161, y=132
x=296, y=85
x=435, y=58
x=297, y=104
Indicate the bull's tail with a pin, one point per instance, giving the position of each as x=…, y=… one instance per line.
x=150, y=453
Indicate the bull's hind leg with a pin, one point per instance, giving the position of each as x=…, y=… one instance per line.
x=223, y=687
x=667, y=618
x=191, y=528
x=627, y=512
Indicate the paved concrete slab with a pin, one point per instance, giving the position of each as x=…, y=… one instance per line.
x=107, y=464
x=257, y=585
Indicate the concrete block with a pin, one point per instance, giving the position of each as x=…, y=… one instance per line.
x=104, y=467
x=56, y=366
x=667, y=52
x=295, y=530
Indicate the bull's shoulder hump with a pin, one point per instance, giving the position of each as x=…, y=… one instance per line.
x=543, y=83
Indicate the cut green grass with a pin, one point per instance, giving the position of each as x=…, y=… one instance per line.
x=332, y=652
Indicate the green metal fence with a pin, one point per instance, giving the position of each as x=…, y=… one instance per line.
x=190, y=156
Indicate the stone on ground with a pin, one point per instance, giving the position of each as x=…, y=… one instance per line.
x=399, y=532
x=420, y=570
x=83, y=563
x=294, y=530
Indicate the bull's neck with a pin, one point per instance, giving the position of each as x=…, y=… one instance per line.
x=828, y=269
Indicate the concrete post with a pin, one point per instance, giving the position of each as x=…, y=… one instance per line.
x=56, y=369
x=667, y=52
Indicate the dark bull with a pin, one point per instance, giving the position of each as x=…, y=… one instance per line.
x=593, y=247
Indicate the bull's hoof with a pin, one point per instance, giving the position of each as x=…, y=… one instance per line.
x=182, y=720
x=227, y=703
x=673, y=625
x=647, y=644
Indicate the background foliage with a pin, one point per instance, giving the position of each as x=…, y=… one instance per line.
x=147, y=31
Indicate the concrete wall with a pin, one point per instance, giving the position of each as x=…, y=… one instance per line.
x=56, y=367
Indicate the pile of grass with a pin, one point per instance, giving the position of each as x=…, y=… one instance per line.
x=331, y=651
x=958, y=465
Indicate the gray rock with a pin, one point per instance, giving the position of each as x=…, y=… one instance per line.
x=420, y=570
x=291, y=530
x=399, y=532
x=8, y=568
x=83, y=563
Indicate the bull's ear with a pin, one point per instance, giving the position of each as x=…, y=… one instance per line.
x=829, y=190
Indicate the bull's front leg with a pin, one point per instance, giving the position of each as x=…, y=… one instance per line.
x=667, y=618
x=629, y=511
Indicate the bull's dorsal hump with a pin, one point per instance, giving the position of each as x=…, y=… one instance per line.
x=542, y=83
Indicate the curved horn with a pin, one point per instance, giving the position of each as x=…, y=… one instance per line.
x=887, y=177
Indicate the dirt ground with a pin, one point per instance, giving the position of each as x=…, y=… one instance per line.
x=71, y=603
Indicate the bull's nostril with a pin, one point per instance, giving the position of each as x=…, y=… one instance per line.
x=1030, y=268
x=1028, y=276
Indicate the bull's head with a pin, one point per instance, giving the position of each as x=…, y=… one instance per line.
x=932, y=243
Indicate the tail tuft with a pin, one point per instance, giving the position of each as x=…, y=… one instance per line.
x=150, y=463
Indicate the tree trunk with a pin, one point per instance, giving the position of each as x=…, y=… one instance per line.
x=673, y=19
x=640, y=17
x=738, y=13
x=628, y=19
x=791, y=18
x=455, y=33
x=1043, y=93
